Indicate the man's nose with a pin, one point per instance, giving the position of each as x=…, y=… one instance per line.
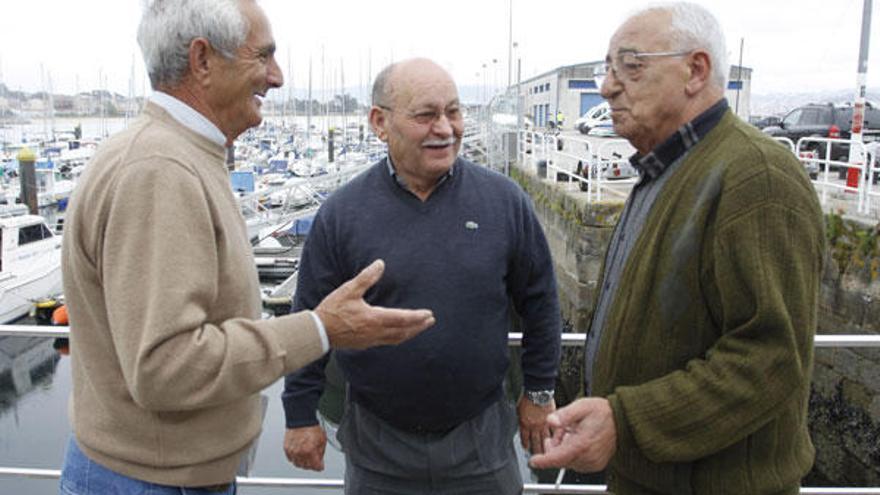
x=442, y=125
x=274, y=77
x=610, y=85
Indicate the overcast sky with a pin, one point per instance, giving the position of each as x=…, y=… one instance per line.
x=792, y=45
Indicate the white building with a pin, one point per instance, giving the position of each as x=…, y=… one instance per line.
x=573, y=90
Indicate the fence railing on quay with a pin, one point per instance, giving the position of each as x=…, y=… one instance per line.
x=840, y=184
x=568, y=340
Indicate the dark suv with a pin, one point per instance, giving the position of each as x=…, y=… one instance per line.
x=826, y=121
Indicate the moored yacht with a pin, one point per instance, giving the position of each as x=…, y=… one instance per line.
x=30, y=264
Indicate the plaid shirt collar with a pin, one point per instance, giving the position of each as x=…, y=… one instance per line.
x=653, y=164
x=399, y=180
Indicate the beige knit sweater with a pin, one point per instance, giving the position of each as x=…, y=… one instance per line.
x=168, y=351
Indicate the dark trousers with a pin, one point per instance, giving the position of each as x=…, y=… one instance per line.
x=475, y=458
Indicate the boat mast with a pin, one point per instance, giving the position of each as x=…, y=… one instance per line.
x=309, y=116
x=51, y=99
x=342, y=84
x=291, y=94
x=856, y=152
x=324, y=92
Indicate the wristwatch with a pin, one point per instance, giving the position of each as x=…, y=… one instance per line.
x=539, y=397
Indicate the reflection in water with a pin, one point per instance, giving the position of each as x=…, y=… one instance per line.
x=25, y=363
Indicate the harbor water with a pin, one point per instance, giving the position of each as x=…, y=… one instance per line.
x=34, y=428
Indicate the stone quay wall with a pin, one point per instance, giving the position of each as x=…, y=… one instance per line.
x=845, y=399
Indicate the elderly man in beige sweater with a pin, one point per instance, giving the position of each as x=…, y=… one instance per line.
x=168, y=348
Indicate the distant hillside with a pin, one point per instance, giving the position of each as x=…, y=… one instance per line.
x=781, y=103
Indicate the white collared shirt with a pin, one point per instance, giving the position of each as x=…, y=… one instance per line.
x=188, y=117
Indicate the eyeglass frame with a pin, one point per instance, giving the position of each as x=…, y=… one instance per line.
x=609, y=67
x=426, y=117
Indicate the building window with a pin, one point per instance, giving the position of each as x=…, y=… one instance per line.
x=581, y=84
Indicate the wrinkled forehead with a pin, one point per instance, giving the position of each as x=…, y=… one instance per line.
x=424, y=87
x=260, y=33
x=648, y=31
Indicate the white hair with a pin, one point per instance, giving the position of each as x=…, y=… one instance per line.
x=694, y=27
x=168, y=27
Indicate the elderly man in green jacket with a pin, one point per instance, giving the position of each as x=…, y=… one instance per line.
x=699, y=356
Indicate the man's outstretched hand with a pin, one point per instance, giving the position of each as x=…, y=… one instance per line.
x=351, y=323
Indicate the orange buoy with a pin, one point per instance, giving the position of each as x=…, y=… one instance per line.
x=59, y=316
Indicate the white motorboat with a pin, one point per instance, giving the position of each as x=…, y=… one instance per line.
x=30, y=264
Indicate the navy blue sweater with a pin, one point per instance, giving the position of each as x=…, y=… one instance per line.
x=470, y=251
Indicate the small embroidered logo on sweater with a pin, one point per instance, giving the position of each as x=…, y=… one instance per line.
x=471, y=225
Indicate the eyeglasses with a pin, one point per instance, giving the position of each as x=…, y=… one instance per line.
x=427, y=117
x=628, y=64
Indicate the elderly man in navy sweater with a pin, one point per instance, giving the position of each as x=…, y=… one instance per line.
x=431, y=416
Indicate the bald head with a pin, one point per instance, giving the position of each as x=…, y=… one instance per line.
x=401, y=75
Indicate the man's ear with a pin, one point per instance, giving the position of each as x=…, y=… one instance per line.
x=201, y=60
x=379, y=123
x=700, y=66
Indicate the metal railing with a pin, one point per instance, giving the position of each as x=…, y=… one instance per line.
x=538, y=149
x=597, y=171
x=568, y=339
x=594, y=171
x=821, y=151
x=301, y=198
x=546, y=488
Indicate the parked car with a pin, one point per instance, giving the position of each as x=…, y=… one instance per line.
x=768, y=121
x=617, y=167
x=826, y=121
x=811, y=164
x=603, y=129
x=619, y=170
x=594, y=116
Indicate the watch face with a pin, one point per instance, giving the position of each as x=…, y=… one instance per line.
x=540, y=397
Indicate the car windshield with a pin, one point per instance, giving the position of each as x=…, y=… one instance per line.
x=793, y=117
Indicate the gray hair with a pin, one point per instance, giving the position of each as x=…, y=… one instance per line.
x=381, y=94
x=694, y=27
x=168, y=27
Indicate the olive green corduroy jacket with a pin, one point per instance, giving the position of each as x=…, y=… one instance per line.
x=707, y=352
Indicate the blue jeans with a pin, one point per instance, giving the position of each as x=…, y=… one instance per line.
x=82, y=476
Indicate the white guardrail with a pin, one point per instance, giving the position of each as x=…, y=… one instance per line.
x=568, y=339
x=600, y=171
x=818, y=156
